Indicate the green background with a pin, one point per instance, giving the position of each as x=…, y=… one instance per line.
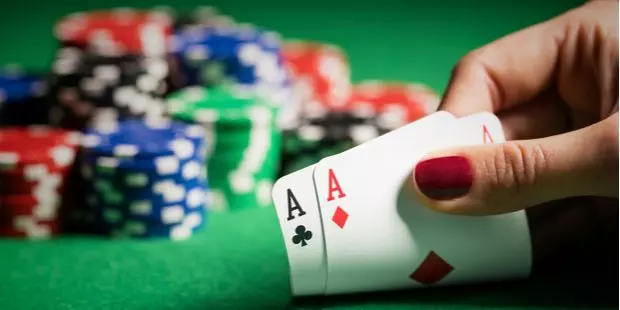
x=240, y=260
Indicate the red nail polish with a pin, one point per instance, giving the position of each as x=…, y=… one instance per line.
x=444, y=177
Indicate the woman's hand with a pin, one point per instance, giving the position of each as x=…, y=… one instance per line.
x=554, y=86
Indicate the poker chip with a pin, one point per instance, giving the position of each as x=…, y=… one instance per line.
x=150, y=137
x=22, y=147
x=325, y=134
x=87, y=88
x=35, y=168
x=117, y=32
x=320, y=72
x=143, y=173
x=110, y=65
x=28, y=227
x=243, y=159
x=239, y=54
x=373, y=108
x=191, y=223
x=396, y=102
x=22, y=97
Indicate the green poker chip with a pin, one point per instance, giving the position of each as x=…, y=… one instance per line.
x=245, y=143
x=223, y=106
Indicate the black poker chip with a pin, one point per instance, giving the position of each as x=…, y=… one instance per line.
x=324, y=133
x=82, y=84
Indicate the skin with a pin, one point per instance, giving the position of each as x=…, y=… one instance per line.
x=554, y=87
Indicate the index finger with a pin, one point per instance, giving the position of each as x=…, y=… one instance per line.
x=506, y=72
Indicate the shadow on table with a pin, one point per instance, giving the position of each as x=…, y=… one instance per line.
x=552, y=291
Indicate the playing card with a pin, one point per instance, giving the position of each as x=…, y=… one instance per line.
x=477, y=249
x=379, y=236
x=368, y=246
x=295, y=202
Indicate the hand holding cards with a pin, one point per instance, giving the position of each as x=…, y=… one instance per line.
x=352, y=222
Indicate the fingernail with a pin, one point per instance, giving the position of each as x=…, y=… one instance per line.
x=444, y=178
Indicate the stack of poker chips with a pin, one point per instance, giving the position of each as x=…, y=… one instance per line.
x=234, y=83
x=332, y=115
x=397, y=102
x=21, y=97
x=368, y=114
x=237, y=55
x=146, y=178
x=323, y=133
x=244, y=155
x=114, y=61
x=320, y=126
x=35, y=164
x=320, y=72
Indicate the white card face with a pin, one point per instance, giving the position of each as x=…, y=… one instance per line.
x=481, y=128
x=368, y=245
x=379, y=235
x=294, y=197
x=501, y=243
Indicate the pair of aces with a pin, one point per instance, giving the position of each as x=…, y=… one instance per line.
x=352, y=222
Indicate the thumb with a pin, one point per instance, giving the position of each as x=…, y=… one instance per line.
x=500, y=178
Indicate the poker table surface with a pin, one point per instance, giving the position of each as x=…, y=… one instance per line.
x=239, y=261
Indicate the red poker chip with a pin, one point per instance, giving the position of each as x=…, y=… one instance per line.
x=32, y=173
x=120, y=31
x=30, y=200
x=10, y=213
x=22, y=186
x=41, y=196
x=26, y=227
x=321, y=72
x=22, y=146
x=412, y=101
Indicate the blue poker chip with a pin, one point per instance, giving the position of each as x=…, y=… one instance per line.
x=136, y=179
x=160, y=166
x=162, y=215
x=173, y=232
x=144, y=138
x=157, y=214
x=112, y=218
x=242, y=54
x=162, y=193
x=17, y=85
x=191, y=223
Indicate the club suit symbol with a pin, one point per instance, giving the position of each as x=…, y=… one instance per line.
x=302, y=235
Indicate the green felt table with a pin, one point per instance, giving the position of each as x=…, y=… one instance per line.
x=239, y=261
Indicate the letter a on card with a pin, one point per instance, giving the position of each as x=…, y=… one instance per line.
x=334, y=186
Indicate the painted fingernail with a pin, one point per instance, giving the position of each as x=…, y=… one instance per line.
x=444, y=178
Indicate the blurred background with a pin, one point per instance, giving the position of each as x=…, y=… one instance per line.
x=392, y=39
x=347, y=71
